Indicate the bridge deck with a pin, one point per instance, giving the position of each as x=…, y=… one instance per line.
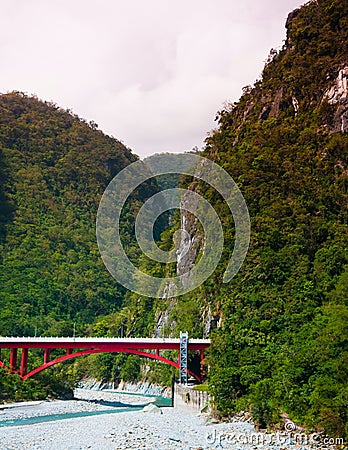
x=101, y=342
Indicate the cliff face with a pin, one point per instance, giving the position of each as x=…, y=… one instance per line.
x=286, y=146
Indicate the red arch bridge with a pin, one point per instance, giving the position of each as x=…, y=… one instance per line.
x=73, y=347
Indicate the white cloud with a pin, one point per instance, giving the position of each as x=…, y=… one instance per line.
x=151, y=73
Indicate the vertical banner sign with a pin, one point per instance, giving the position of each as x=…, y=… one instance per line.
x=183, y=357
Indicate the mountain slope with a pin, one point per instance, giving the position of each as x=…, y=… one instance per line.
x=54, y=169
x=283, y=342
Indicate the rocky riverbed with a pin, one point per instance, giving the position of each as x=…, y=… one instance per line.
x=165, y=428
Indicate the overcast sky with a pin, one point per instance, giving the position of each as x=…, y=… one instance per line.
x=151, y=73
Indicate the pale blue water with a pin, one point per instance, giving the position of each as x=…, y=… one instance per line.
x=160, y=401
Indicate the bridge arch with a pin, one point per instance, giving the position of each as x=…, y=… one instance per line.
x=93, y=351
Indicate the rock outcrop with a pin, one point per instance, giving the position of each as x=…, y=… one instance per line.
x=337, y=94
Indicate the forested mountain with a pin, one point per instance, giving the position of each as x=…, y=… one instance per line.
x=281, y=344
x=54, y=169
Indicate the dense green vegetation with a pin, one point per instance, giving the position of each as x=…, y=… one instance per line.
x=47, y=384
x=280, y=346
x=56, y=168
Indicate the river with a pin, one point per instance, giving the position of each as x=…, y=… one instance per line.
x=86, y=403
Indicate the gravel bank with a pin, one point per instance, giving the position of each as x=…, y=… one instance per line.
x=173, y=429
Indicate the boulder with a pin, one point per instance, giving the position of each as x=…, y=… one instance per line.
x=151, y=408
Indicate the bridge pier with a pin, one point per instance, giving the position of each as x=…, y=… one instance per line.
x=183, y=351
x=201, y=365
x=47, y=352
x=13, y=359
x=24, y=362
